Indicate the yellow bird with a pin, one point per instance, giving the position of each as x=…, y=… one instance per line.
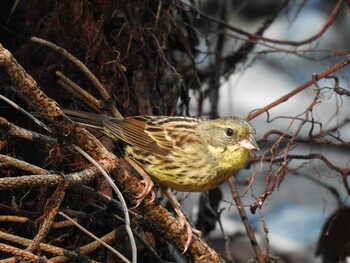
x=184, y=153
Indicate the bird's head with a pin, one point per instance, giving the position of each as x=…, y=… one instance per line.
x=229, y=140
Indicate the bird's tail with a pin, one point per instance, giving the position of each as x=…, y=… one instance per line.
x=87, y=118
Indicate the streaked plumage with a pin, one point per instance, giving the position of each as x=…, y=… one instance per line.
x=183, y=153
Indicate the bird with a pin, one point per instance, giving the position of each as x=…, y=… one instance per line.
x=188, y=154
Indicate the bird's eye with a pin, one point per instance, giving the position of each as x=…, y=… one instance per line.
x=229, y=132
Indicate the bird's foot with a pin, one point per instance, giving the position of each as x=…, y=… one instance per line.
x=147, y=181
x=182, y=219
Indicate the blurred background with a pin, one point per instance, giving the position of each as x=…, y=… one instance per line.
x=218, y=58
x=298, y=209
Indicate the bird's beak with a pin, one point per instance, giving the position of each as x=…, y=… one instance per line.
x=249, y=144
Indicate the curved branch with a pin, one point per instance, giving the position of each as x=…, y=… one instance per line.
x=257, y=37
x=307, y=84
x=155, y=216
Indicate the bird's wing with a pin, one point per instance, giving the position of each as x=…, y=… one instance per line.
x=156, y=134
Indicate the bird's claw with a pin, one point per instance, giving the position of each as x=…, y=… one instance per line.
x=146, y=190
x=182, y=219
x=147, y=181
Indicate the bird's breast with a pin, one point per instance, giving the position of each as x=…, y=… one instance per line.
x=188, y=172
x=230, y=158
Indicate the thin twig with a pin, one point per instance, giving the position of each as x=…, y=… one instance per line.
x=121, y=199
x=22, y=254
x=43, y=246
x=97, y=84
x=87, y=97
x=256, y=37
x=7, y=160
x=307, y=84
x=51, y=208
x=250, y=232
x=96, y=238
x=12, y=130
x=30, y=116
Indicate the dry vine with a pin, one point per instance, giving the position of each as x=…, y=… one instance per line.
x=141, y=58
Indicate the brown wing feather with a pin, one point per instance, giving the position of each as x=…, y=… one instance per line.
x=173, y=133
x=132, y=131
x=156, y=134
